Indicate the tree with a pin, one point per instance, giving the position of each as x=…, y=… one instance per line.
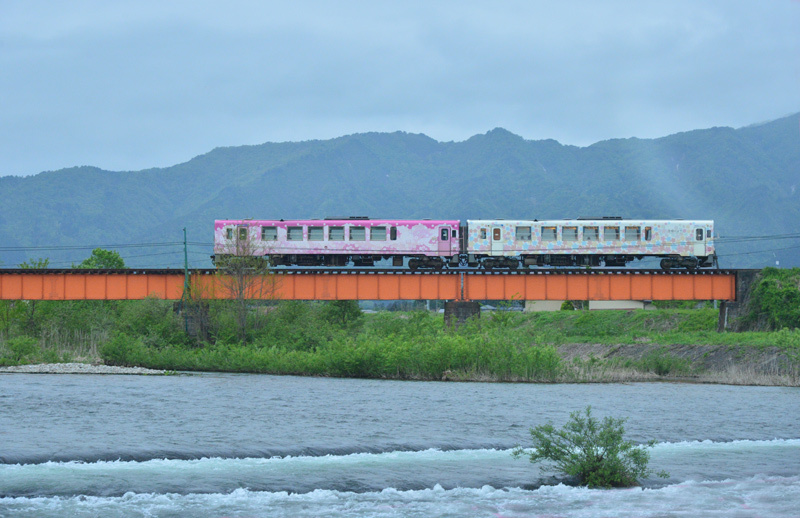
x=342, y=313
x=10, y=311
x=30, y=305
x=245, y=275
x=592, y=451
x=102, y=259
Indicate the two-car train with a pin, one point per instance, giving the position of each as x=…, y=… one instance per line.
x=482, y=243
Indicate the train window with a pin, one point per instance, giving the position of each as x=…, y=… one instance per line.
x=393, y=233
x=523, y=233
x=377, y=234
x=610, y=233
x=633, y=233
x=483, y=233
x=316, y=234
x=242, y=233
x=445, y=234
x=335, y=233
x=708, y=233
x=699, y=234
x=591, y=234
x=269, y=233
x=569, y=233
x=496, y=233
x=548, y=233
x=294, y=233
x=453, y=235
x=648, y=233
x=228, y=233
x=358, y=234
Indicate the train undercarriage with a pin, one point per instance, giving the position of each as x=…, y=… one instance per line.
x=476, y=261
x=545, y=260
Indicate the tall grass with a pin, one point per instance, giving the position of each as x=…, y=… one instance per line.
x=415, y=346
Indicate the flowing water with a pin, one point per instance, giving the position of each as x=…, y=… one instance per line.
x=215, y=445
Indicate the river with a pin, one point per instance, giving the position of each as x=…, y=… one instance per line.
x=214, y=445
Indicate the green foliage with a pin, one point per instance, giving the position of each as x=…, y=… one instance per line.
x=311, y=338
x=124, y=351
x=105, y=259
x=35, y=264
x=25, y=349
x=299, y=340
x=593, y=452
x=22, y=347
x=344, y=314
x=151, y=320
x=663, y=363
x=675, y=304
x=567, y=306
x=774, y=301
x=615, y=327
x=11, y=312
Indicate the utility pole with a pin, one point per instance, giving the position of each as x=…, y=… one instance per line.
x=185, y=283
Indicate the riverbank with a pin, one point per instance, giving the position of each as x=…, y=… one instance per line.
x=78, y=368
x=729, y=365
x=503, y=346
x=581, y=363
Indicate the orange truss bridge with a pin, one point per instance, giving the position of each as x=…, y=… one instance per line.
x=374, y=284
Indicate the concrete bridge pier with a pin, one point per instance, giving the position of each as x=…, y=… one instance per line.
x=457, y=312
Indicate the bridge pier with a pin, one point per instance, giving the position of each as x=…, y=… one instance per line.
x=457, y=312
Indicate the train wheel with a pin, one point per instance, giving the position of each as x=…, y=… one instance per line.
x=413, y=264
x=666, y=264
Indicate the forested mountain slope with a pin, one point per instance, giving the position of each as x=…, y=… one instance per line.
x=746, y=179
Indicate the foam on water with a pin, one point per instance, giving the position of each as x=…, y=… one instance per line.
x=366, y=472
x=240, y=445
x=726, y=445
x=765, y=496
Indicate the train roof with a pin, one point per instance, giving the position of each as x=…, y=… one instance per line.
x=337, y=222
x=587, y=221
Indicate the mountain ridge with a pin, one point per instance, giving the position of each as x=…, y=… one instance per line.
x=746, y=179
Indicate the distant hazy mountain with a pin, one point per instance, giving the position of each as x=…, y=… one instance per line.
x=746, y=179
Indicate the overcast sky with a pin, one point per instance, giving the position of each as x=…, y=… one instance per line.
x=135, y=84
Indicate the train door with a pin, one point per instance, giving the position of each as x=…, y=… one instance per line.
x=497, y=240
x=243, y=240
x=444, y=241
x=699, y=242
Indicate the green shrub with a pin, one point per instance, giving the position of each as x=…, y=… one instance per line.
x=593, y=452
x=663, y=363
x=153, y=320
x=124, y=351
x=774, y=301
x=344, y=314
x=22, y=347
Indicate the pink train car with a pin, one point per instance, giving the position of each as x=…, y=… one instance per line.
x=339, y=242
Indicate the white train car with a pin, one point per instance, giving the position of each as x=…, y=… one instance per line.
x=589, y=242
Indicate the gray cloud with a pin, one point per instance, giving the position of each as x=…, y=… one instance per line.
x=138, y=84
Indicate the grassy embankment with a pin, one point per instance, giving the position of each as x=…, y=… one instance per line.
x=327, y=340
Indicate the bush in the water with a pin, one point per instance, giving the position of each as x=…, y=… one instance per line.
x=593, y=452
